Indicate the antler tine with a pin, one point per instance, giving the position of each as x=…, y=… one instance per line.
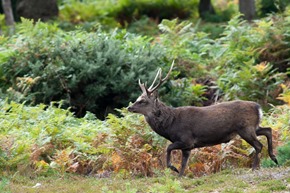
x=142, y=86
x=151, y=90
x=158, y=74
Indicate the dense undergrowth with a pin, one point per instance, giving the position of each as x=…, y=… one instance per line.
x=94, y=71
x=48, y=140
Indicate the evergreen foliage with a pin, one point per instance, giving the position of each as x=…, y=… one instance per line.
x=127, y=10
x=94, y=72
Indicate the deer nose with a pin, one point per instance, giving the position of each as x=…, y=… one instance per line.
x=130, y=109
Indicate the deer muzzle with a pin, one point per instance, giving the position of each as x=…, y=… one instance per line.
x=131, y=109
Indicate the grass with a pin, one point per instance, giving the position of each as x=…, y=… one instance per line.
x=228, y=181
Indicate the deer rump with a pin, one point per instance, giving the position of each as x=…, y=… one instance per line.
x=192, y=127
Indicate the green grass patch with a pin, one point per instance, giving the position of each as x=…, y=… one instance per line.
x=274, y=185
x=236, y=181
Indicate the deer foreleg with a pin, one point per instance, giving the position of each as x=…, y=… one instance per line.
x=168, y=157
x=173, y=146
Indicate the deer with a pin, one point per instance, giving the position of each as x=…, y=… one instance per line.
x=190, y=127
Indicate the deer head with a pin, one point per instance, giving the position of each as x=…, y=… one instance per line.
x=148, y=100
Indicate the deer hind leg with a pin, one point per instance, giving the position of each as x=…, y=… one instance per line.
x=251, y=138
x=267, y=131
x=185, y=156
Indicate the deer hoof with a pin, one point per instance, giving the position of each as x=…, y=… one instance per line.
x=173, y=168
x=275, y=160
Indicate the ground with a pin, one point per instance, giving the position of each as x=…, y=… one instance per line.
x=228, y=181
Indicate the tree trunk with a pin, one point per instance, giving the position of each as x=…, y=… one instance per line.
x=9, y=18
x=37, y=9
x=247, y=7
x=205, y=7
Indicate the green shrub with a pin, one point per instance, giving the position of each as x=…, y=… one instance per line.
x=242, y=73
x=87, y=14
x=94, y=72
x=129, y=10
x=283, y=157
x=277, y=48
x=186, y=92
x=284, y=154
x=113, y=13
x=184, y=43
x=212, y=29
x=234, y=60
x=251, y=83
x=266, y=7
x=143, y=26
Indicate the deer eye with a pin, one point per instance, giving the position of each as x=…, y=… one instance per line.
x=142, y=102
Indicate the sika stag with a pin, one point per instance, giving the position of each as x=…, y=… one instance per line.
x=191, y=127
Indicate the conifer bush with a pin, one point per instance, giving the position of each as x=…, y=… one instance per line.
x=94, y=72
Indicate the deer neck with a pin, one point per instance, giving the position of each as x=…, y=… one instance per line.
x=160, y=119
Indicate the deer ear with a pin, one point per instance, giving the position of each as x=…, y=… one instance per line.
x=156, y=102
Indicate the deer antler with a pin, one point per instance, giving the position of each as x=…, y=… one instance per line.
x=142, y=86
x=152, y=88
x=159, y=73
